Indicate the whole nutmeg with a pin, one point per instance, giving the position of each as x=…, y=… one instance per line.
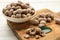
x=42, y=22
x=28, y=31
x=18, y=15
x=37, y=36
x=48, y=20
x=38, y=31
x=27, y=4
x=18, y=7
x=32, y=31
x=27, y=36
x=10, y=13
x=29, y=10
x=4, y=9
x=24, y=11
x=8, y=7
x=13, y=16
x=6, y=13
x=41, y=25
x=24, y=6
x=14, y=12
x=13, y=4
x=28, y=15
x=11, y=10
x=19, y=3
x=19, y=11
x=13, y=7
x=32, y=12
x=32, y=8
x=24, y=16
x=34, y=21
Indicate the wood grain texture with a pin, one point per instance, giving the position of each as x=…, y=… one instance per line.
x=20, y=28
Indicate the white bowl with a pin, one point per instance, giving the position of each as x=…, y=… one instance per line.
x=19, y=20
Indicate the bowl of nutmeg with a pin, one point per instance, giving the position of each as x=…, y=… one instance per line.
x=18, y=12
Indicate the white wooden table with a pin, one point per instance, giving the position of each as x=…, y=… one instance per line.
x=5, y=31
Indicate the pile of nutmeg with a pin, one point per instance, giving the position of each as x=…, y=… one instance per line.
x=42, y=19
x=18, y=10
x=34, y=32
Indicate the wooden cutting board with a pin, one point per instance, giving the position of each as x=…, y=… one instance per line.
x=20, y=28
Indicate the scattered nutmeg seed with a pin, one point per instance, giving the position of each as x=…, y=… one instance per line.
x=34, y=21
x=32, y=32
x=48, y=20
x=28, y=31
x=57, y=21
x=41, y=25
x=26, y=36
x=37, y=36
x=41, y=16
x=42, y=22
x=42, y=35
x=40, y=19
x=38, y=31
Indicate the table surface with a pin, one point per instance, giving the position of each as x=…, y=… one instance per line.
x=5, y=31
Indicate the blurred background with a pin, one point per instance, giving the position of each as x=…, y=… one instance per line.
x=5, y=31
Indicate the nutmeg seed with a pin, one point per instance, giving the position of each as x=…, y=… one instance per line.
x=41, y=25
x=33, y=21
x=26, y=36
x=42, y=22
x=37, y=36
x=48, y=20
